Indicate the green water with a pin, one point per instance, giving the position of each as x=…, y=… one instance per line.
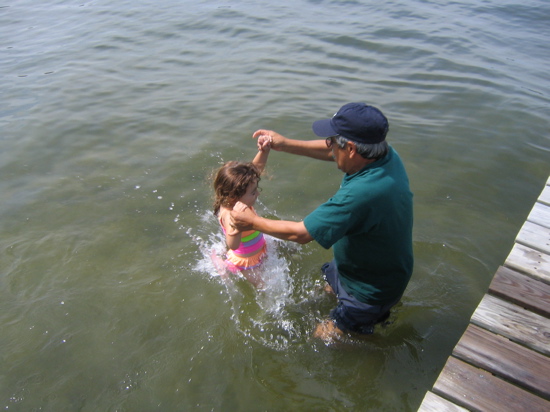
x=113, y=116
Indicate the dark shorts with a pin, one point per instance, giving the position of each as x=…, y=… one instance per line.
x=352, y=315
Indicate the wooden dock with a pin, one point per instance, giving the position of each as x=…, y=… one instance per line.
x=502, y=361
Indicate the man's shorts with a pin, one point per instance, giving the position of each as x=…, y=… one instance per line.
x=352, y=315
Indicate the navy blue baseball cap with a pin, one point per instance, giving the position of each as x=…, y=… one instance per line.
x=357, y=122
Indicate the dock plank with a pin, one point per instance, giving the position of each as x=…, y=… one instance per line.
x=522, y=290
x=502, y=361
x=435, y=403
x=545, y=195
x=540, y=214
x=514, y=322
x=479, y=390
x=527, y=260
x=535, y=236
x=505, y=359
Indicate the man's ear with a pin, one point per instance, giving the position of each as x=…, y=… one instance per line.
x=351, y=149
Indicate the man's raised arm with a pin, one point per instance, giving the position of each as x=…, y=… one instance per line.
x=316, y=149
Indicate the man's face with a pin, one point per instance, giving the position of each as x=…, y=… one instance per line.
x=340, y=156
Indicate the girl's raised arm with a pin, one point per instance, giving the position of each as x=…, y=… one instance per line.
x=260, y=160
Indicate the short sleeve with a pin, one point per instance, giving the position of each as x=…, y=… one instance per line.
x=330, y=221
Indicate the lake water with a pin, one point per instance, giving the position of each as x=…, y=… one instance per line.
x=113, y=116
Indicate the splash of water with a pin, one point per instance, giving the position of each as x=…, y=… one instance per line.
x=264, y=315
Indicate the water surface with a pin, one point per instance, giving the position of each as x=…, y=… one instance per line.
x=113, y=116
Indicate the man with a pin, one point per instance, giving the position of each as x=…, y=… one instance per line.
x=368, y=222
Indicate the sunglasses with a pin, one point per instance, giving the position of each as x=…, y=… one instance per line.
x=330, y=141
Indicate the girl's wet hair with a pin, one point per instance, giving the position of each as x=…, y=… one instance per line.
x=231, y=182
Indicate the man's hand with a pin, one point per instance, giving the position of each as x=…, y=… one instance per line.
x=269, y=138
x=242, y=217
x=264, y=142
x=316, y=149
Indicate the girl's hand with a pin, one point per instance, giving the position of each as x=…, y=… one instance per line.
x=275, y=140
x=264, y=142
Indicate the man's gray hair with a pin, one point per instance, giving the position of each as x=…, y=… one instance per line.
x=366, y=150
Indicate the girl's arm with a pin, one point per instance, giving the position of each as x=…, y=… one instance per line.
x=232, y=235
x=233, y=241
x=260, y=160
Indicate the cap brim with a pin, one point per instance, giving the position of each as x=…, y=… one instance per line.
x=323, y=128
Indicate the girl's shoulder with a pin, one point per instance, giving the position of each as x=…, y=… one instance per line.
x=224, y=215
x=223, y=211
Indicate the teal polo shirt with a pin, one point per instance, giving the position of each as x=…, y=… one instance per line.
x=368, y=223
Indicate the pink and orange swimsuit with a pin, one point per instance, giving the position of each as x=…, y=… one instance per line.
x=250, y=252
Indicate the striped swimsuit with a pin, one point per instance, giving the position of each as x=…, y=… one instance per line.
x=250, y=252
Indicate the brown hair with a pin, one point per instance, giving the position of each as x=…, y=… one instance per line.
x=231, y=182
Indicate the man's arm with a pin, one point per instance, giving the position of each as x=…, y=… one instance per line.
x=283, y=229
x=316, y=149
x=244, y=219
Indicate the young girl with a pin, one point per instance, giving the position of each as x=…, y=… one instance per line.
x=238, y=182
